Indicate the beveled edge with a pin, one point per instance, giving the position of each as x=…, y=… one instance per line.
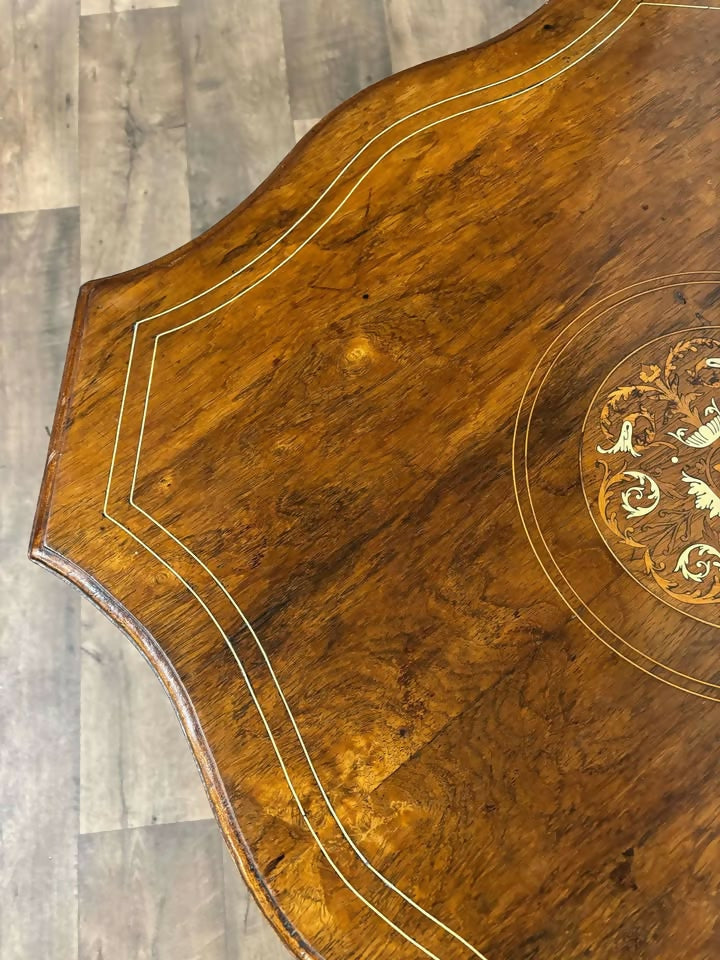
x=204, y=760
x=44, y=555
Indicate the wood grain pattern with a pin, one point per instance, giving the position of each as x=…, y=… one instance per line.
x=322, y=466
x=145, y=774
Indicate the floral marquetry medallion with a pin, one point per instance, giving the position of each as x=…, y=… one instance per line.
x=651, y=465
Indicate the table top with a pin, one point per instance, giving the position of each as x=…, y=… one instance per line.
x=405, y=477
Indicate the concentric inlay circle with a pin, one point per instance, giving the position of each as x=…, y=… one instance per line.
x=615, y=462
x=651, y=467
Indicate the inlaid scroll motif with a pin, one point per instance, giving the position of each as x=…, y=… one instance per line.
x=653, y=481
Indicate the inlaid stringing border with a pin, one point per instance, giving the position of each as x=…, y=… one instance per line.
x=395, y=146
x=366, y=146
x=587, y=612
x=232, y=299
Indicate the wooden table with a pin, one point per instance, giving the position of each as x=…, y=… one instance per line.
x=405, y=477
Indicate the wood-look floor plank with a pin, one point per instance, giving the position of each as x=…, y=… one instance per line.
x=333, y=48
x=239, y=123
x=303, y=126
x=155, y=893
x=39, y=670
x=136, y=767
x=38, y=105
x=134, y=201
x=248, y=933
x=420, y=30
x=89, y=7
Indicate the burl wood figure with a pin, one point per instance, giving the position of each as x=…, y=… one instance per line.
x=405, y=477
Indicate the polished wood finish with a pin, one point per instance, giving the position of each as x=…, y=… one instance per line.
x=334, y=467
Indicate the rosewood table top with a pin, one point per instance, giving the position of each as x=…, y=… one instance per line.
x=405, y=477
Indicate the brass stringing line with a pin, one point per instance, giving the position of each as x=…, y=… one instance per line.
x=532, y=506
x=582, y=620
x=246, y=678
x=377, y=136
x=409, y=116
x=680, y=6
x=480, y=106
x=388, y=883
x=122, y=410
x=326, y=799
x=392, y=149
x=115, y=447
x=142, y=423
x=423, y=129
x=685, y=613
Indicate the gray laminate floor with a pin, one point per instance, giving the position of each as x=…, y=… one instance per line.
x=126, y=126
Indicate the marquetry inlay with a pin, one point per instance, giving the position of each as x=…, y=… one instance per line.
x=651, y=465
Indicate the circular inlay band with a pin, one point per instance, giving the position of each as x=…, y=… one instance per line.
x=650, y=466
x=615, y=451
